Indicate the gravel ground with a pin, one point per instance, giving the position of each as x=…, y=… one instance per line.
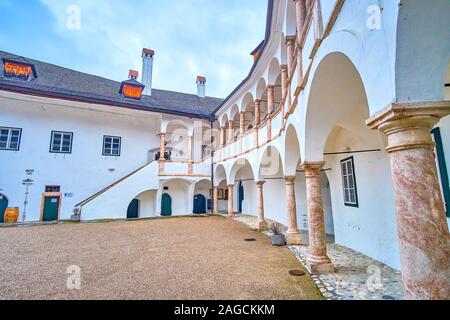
x=184, y=258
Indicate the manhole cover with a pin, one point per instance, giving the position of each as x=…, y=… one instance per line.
x=250, y=240
x=297, y=273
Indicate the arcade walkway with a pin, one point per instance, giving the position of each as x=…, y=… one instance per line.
x=179, y=258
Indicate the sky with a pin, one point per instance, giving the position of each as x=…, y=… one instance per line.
x=212, y=38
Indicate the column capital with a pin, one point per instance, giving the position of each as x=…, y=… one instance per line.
x=260, y=183
x=313, y=165
x=258, y=101
x=271, y=87
x=284, y=67
x=230, y=185
x=408, y=125
x=290, y=40
x=289, y=179
x=398, y=111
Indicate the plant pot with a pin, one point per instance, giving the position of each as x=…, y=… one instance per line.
x=278, y=240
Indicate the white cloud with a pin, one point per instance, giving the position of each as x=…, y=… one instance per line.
x=190, y=37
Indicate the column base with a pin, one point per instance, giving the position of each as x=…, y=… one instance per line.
x=262, y=225
x=320, y=265
x=230, y=216
x=294, y=239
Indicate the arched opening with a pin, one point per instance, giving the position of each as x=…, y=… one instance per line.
x=176, y=194
x=220, y=181
x=202, y=197
x=271, y=171
x=3, y=206
x=235, y=118
x=147, y=204
x=248, y=107
x=261, y=95
x=357, y=166
x=245, y=188
x=177, y=141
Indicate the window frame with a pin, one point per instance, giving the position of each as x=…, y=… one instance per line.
x=8, y=141
x=112, y=143
x=355, y=186
x=62, y=138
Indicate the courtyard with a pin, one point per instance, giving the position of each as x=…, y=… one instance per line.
x=179, y=258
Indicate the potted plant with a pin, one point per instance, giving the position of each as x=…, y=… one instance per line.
x=277, y=236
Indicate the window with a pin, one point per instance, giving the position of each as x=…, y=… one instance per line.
x=52, y=189
x=442, y=166
x=349, y=182
x=10, y=139
x=61, y=142
x=111, y=146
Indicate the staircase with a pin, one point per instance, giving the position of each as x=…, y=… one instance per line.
x=112, y=202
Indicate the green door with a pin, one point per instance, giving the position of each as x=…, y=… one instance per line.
x=3, y=206
x=199, y=204
x=166, y=205
x=51, y=208
x=133, y=209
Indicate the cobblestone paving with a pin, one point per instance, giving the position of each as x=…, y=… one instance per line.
x=357, y=276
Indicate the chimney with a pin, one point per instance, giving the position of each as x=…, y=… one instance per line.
x=147, y=70
x=133, y=74
x=201, y=86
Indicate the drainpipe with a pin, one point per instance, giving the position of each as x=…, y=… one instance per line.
x=212, y=163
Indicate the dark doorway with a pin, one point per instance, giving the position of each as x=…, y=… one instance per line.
x=3, y=206
x=241, y=196
x=166, y=205
x=199, y=204
x=133, y=209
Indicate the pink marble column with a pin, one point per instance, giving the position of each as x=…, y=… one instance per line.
x=190, y=155
x=216, y=200
x=290, y=41
x=270, y=99
x=230, y=131
x=230, y=201
x=162, y=151
x=292, y=235
x=300, y=10
x=284, y=86
x=421, y=221
x=242, y=123
x=318, y=260
x=262, y=223
x=222, y=136
x=257, y=112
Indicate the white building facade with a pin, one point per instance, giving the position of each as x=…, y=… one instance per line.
x=340, y=128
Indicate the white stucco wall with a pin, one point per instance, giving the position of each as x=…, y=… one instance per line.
x=81, y=173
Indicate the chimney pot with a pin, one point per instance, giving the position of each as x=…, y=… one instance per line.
x=201, y=86
x=133, y=74
x=147, y=70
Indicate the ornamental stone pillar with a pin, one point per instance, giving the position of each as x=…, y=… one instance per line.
x=230, y=131
x=290, y=42
x=242, y=123
x=162, y=145
x=230, y=201
x=270, y=99
x=318, y=260
x=222, y=136
x=284, y=86
x=421, y=220
x=292, y=235
x=216, y=200
x=257, y=112
x=190, y=155
x=262, y=223
x=300, y=10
